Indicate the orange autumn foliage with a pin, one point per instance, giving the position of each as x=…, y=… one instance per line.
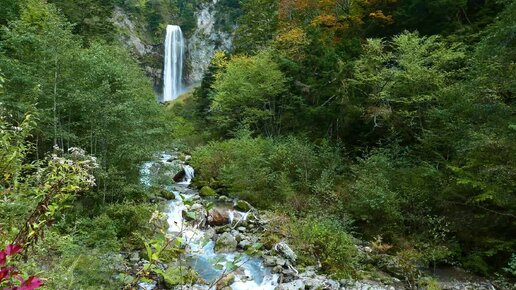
x=378, y=15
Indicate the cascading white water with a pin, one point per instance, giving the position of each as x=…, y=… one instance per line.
x=173, y=69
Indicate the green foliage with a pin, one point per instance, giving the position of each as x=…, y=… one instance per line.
x=10, y=10
x=328, y=242
x=207, y=191
x=71, y=265
x=373, y=198
x=440, y=15
x=401, y=79
x=176, y=276
x=256, y=26
x=267, y=171
x=248, y=93
x=511, y=266
x=91, y=18
x=427, y=122
x=87, y=97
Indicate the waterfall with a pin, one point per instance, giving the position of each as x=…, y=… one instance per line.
x=173, y=70
x=189, y=173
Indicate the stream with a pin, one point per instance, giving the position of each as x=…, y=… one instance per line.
x=249, y=272
x=216, y=237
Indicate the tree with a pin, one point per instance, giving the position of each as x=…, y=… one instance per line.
x=249, y=94
x=257, y=26
x=400, y=80
x=86, y=97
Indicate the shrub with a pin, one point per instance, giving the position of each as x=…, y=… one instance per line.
x=373, y=199
x=267, y=171
x=326, y=241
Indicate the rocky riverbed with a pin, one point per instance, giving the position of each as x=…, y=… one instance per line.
x=222, y=241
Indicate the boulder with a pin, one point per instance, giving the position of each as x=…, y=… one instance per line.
x=277, y=269
x=286, y=251
x=224, y=198
x=168, y=195
x=218, y=217
x=243, y=206
x=179, y=176
x=209, y=234
x=280, y=261
x=269, y=261
x=189, y=215
x=225, y=243
x=207, y=191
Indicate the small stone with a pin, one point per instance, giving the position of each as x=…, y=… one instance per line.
x=294, y=285
x=135, y=257
x=269, y=261
x=222, y=229
x=242, y=229
x=286, y=251
x=209, y=234
x=224, y=198
x=196, y=207
x=225, y=281
x=332, y=284
x=218, y=217
x=280, y=261
x=277, y=269
x=244, y=244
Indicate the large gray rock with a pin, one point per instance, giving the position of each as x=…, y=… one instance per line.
x=286, y=251
x=226, y=243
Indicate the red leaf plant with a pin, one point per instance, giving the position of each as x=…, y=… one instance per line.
x=9, y=274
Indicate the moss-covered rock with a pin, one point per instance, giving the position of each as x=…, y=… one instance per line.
x=207, y=191
x=174, y=276
x=243, y=205
x=168, y=195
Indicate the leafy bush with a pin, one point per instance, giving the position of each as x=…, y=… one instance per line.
x=246, y=93
x=69, y=264
x=326, y=241
x=128, y=218
x=99, y=232
x=373, y=199
x=266, y=172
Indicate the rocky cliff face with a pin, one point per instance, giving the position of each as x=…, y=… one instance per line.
x=131, y=34
x=206, y=40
